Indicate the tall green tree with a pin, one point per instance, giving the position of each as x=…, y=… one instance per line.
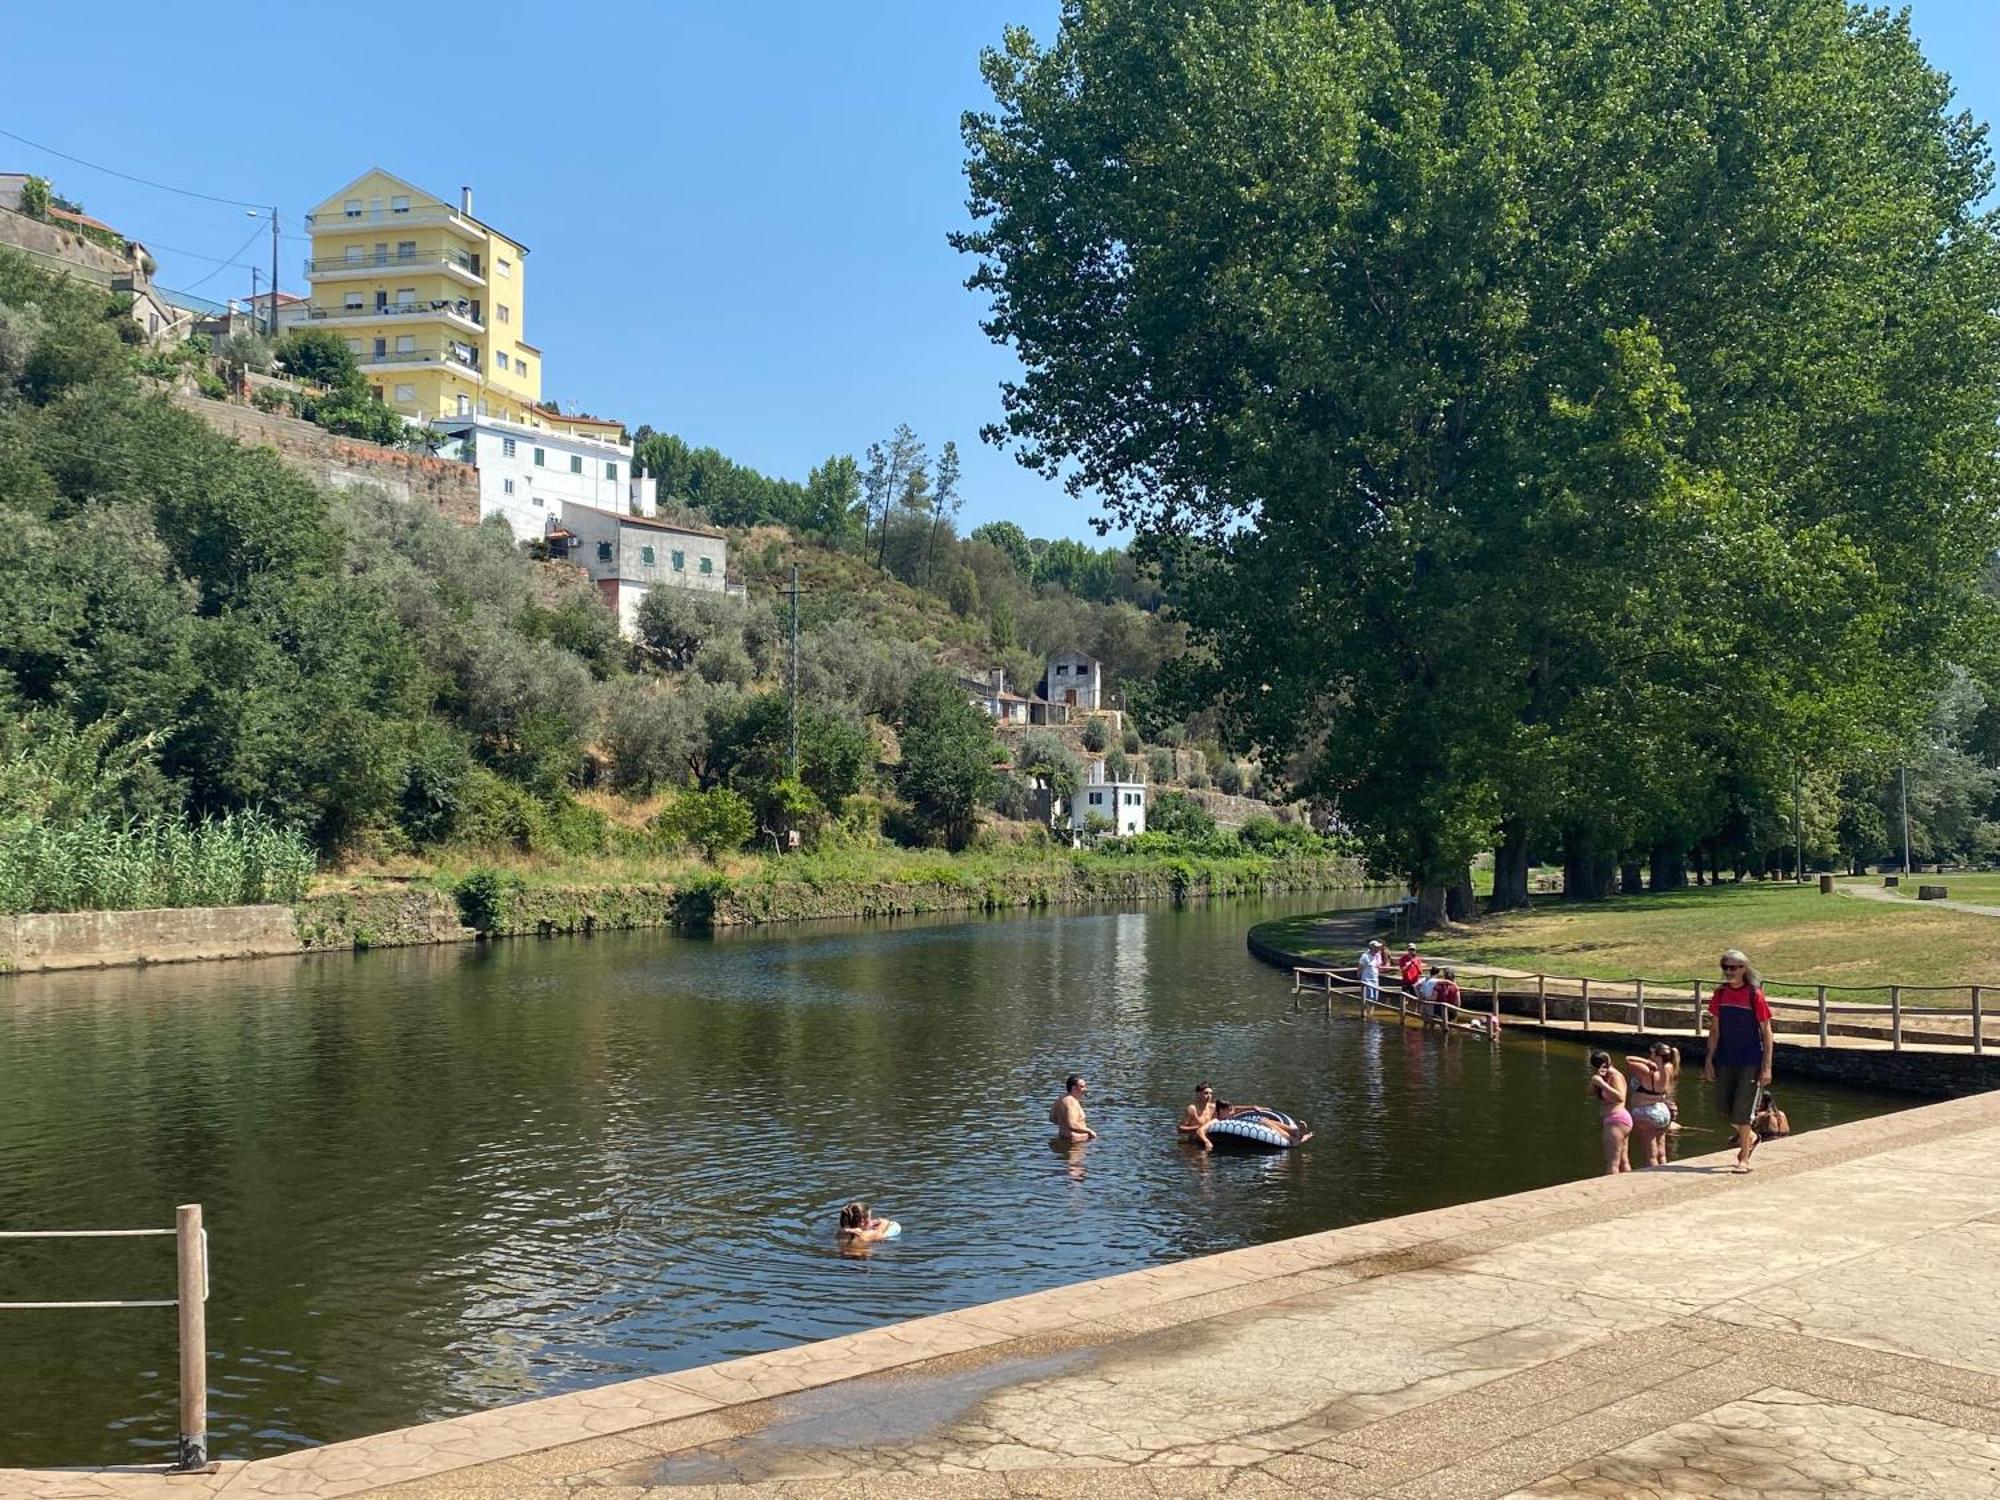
x=947, y=772
x=1547, y=413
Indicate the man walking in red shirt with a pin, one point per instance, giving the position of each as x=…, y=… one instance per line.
x=1737, y=1059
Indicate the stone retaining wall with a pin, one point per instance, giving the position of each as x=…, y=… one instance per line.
x=98, y=939
x=343, y=463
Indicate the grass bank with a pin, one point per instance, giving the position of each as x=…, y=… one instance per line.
x=1795, y=936
x=555, y=896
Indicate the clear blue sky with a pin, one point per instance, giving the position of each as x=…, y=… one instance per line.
x=736, y=212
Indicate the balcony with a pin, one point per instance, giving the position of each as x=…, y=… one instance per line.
x=459, y=313
x=429, y=357
x=452, y=263
x=386, y=218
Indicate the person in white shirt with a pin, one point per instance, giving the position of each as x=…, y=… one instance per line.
x=1370, y=965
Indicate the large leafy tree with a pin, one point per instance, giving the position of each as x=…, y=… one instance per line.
x=947, y=771
x=1549, y=412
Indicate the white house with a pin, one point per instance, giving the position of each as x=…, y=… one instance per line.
x=1122, y=804
x=989, y=695
x=627, y=555
x=1074, y=679
x=528, y=473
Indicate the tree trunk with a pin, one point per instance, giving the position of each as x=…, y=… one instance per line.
x=1429, y=910
x=1630, y=881
x=1510, y=868
x=1587, y=875
x=1669, y=870
x=1460, y=905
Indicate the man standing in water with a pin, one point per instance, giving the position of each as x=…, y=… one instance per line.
x=1066, y=1114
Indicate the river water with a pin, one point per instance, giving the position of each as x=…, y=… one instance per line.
x=441, y=1179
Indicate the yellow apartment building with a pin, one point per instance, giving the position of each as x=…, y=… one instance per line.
x=432, y=301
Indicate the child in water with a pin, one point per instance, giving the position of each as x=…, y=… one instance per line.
x=859, y=1227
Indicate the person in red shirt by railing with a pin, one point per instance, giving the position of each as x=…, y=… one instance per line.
x=1412, y=969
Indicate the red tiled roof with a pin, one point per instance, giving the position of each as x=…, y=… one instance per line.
x=84, y=219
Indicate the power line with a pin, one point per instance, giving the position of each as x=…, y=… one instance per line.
x=220, y=266
x=195, y=254
x=142, y=181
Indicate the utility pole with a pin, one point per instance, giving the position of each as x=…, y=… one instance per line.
x=271, y=315
x=795, y=671
x=1906, y=820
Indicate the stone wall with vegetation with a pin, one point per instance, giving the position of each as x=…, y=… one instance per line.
x=448, y=487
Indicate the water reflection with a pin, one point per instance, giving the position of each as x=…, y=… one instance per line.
x=439, y=1179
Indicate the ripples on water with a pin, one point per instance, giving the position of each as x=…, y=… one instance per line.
x=437, y=1180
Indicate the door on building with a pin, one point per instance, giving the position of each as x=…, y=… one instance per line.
x=1069, y=697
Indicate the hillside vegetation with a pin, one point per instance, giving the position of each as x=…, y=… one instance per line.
x=199, y=649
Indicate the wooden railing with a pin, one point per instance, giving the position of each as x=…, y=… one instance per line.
x=191, y=1302
x=1648, y=999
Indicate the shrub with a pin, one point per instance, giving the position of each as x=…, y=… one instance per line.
x=1159, y=766
x=1269, y=836
x=1010, y=798
x=1095, y=735
x=714, y=821
x=1117, y=766
x=1229, y=778
x=321, y=356
x=482, y=899
x=1133, y=744
x=1178, y=815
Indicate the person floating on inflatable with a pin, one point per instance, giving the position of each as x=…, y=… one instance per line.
x=859, y=1227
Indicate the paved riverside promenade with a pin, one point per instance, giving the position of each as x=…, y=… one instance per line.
x=1828, y=1324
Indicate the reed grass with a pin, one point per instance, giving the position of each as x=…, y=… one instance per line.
x=239, y=859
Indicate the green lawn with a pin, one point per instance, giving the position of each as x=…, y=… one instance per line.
x=1796, y=937
x=1984, y=889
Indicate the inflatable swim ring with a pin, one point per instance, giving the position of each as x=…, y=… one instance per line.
x=892, y=1230
x=1258, y=1128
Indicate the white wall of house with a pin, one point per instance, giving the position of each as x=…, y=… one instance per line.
x=1073, y=672
x=628, y=555
x=1120, y=803
x=527, y=474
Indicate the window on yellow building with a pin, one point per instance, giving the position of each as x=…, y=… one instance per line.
x=504, y=267
x=399, y=205
x=352, y=301
x=500, y=358
x=506, y=313
x=351, y=208
x=406, y=343
x=406, y=249
x=521, y=365
x=406, y=393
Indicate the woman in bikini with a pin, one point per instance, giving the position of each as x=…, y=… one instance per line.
x=1650, y=1099
x=1607, y=1084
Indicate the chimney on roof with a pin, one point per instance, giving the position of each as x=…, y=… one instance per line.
x=465, y=201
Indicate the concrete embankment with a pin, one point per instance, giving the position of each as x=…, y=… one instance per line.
x=1931, y=1061
x=1829, y=1324
x=400, y=916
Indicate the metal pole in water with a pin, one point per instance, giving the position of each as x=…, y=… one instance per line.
x=191, y=1263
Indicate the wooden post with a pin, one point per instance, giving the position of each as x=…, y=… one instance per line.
x=191, y=1262
x=1696, y=1018
x=1493, y=1001
x=1895, y=1018
x=1978, y=1025
x=1639, y=998
x=1542, y=997
x=1822, y=1015
x=1586, y=1005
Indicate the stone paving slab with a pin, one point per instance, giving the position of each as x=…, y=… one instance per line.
x=1829, y=1324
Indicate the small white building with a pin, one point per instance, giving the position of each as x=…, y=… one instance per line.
x=528, y=474
x=988, y=694
x=627, y=556
x=1122, y=804
x=1075, y=680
